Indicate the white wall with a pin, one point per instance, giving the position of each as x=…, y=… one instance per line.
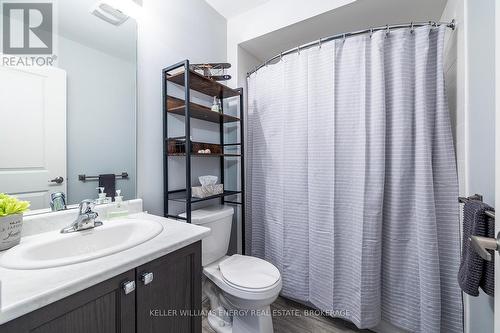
x=480, y=120
x=481, y=103
x=469, y=78
x=264, y=19
x=455, y=75
x=455, y=79
x=171, y=31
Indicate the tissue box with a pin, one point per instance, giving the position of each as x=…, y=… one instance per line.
x=206, y=191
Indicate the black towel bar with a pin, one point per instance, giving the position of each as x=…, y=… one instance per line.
x=478, y=197
x=84, y=178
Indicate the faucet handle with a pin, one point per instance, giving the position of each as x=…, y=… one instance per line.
x=86, y=206
x=86, y=218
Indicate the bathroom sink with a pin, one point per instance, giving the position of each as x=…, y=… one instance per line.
x=53, y=249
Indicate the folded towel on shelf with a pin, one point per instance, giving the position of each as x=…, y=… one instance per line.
x=474, y=271
x=108, y=181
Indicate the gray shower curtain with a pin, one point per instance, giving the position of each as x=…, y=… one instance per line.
x=352, y=184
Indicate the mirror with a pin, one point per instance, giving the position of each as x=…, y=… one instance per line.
x=68, y=102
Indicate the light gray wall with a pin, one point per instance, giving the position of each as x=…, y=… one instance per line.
x=101, y=116
x=473, y=124
x=481, y=45
x=481, y=124
x=175, y=30
x=246, y=61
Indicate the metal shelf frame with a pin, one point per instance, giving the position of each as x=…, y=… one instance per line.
x=185, y=195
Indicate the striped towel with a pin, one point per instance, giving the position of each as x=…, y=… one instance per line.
x=474, y=271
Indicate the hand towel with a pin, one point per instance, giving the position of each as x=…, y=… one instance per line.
x=474, y=271
x=108, y=181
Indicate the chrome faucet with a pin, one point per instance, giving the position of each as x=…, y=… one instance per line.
x=86, y=218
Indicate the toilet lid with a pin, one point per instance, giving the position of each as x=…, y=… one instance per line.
x=249, y=272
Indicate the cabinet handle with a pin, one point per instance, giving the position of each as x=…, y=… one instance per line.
x=128, y=287
x=147, y=278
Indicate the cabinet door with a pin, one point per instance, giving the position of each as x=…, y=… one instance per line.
x=103, y=308
x=171, y=302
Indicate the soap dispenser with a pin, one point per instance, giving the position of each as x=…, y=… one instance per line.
x=120, y=207
x=102, y=196
x=216, y=107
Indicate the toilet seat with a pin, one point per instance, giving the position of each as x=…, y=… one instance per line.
x=212, y=271
x=249, y=273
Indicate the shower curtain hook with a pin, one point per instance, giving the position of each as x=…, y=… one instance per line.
x=319, y=43
x=411, y=28
x=343, y=38
x=371, y=32
x=387, y=31
x=298, y=50
x=281, y=56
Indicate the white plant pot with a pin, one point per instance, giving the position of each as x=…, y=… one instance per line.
x=10, y=231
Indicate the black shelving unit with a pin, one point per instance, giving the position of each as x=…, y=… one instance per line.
x=180, y=75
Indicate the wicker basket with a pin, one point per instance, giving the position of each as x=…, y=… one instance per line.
x=206, y=191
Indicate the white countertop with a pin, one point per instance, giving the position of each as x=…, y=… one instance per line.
x=23, y=291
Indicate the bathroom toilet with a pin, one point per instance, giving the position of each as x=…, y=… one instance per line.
x=240, y=288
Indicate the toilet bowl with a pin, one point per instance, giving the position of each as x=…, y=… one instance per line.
x=240, y=288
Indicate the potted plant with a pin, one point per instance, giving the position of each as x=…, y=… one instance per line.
x=11, y=220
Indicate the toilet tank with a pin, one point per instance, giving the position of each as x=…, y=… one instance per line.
x=219, y=219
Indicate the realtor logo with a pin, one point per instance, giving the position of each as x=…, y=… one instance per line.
x=27, y=28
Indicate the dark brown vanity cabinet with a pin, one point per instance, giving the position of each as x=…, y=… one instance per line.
x=171, y=302
x=166, y=298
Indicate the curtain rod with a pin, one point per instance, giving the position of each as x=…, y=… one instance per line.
x=318, y=42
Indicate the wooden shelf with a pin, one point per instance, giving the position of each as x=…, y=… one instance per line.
x=176, y=106
x=204, y=85
x=175, y=147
